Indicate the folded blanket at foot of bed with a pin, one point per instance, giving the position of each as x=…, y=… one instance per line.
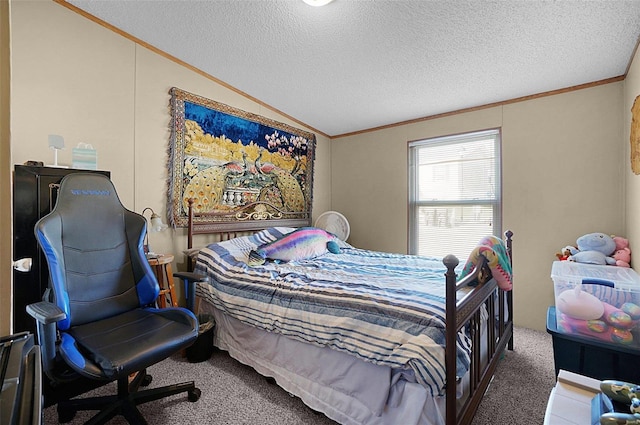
x=495, y=251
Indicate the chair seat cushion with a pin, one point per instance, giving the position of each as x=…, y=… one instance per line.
x=134, y=340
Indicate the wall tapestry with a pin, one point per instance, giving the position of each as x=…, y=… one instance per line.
x=635, y=136
x=236, y=167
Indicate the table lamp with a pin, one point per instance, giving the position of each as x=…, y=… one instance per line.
x=155, y=225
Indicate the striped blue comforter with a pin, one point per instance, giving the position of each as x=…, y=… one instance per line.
x=384, y=308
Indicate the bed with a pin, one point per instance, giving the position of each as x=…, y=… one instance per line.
x=357, y=335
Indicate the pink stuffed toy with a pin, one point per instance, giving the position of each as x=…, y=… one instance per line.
x=623, y=257
x=620, y=242
x=622, y=254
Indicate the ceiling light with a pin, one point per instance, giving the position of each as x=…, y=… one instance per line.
x=317, y=3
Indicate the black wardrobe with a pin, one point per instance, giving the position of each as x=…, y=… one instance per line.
x=34, y=195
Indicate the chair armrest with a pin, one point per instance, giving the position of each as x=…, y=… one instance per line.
x=46, y=315
x=46, y=312
x=190, y=279
x=191, y=276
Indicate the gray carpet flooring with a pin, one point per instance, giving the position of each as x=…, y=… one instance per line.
x=234, y=394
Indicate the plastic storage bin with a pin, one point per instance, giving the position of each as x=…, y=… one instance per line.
x=597, y=302
x=599, y=360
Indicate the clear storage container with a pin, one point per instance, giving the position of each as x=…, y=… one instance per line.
x=597, y=302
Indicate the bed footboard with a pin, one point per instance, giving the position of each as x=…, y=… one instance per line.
x=466, y=313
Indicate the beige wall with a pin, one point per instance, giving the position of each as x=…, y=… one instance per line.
x=75, y=79
x=561, y=178
x=5, y=173
x=632, y=182
x=78, y=79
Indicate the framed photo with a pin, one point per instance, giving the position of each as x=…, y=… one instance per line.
x=238, y=170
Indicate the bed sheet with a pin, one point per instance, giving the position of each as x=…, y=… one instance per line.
x=346, y=389
x=387, y=309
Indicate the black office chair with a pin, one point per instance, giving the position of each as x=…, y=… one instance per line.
x=99, y=321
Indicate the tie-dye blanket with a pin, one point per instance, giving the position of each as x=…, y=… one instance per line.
x=494, y=250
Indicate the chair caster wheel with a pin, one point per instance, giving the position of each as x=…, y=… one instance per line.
x=66, y=415
x=146, y=381
x=139, y=379
x=194, y=395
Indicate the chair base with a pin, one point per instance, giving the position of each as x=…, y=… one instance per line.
x=125, y=402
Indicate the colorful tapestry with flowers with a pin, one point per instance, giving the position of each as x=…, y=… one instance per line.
x=236, y=166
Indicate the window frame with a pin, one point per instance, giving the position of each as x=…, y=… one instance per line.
x=414, y=204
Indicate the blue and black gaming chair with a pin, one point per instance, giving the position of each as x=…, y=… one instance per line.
x=98, y=320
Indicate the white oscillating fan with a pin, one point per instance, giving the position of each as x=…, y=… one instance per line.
x=334, y=222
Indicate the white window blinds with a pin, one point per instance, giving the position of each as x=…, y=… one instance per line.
x=454, y=193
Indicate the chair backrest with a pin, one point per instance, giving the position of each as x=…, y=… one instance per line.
x=94, y=250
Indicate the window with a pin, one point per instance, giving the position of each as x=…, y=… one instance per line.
x=454, y=193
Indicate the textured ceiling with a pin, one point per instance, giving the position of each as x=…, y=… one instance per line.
x=354, y=65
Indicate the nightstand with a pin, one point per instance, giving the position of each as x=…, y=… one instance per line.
x=162, y=266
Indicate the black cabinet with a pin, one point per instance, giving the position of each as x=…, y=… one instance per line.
x=34, y=195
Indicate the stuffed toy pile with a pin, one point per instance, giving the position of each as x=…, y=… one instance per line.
x=622, y=254
x=598, y=248
x=595, y=310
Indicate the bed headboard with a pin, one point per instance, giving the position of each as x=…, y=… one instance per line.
x=249, y=218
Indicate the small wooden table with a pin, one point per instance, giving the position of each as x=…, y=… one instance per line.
x=164, y=274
